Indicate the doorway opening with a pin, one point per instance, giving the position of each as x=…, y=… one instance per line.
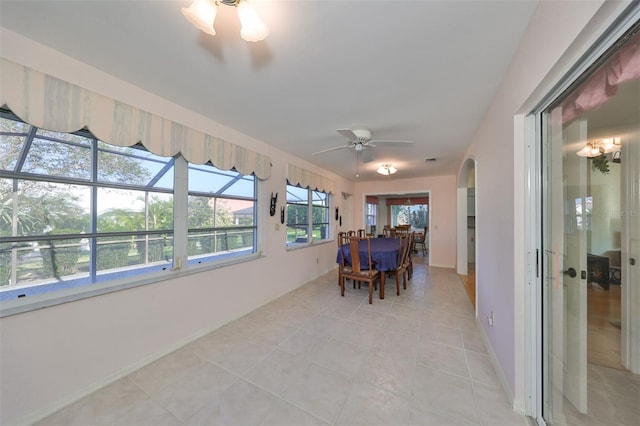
x=466, y=228
x=385, y=211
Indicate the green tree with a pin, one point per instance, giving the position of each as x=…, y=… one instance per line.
x=47, y=208
x=44, y=206
x=160, y=215
x=118, y=220
x=26, y=222
x=200, y=213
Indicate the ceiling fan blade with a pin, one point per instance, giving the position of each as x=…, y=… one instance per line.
x=367, y=157
x=348, y=134
x=390, y=141
x=332, y=149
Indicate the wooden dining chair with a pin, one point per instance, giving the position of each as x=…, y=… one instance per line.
x=403, y=264
x=402, y=230
x=420, y=241
x=355, y=270
x=412, y=238
x=361, y=233
x=342, y=238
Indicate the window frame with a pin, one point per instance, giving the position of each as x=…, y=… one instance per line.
x=310, y=225
x=144, y=273
x=371, y=216
x=393, y=217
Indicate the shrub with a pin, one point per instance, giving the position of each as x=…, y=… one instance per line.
x=60, y=257
x=113, y=255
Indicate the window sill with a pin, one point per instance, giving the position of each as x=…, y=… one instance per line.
x=298, y=246
x=45, y=300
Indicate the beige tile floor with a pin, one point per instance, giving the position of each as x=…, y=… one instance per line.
x=312, y=357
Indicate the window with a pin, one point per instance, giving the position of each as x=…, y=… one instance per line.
x=371, y=213
x=307, y=215
x=416, y=215
x=221, y=212
x=76, y=211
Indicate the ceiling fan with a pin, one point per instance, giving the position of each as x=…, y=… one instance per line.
x=360, y=140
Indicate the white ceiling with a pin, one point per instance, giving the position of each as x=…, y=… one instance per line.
x=413, y=70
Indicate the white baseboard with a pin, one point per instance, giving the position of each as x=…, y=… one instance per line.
x=518, y=406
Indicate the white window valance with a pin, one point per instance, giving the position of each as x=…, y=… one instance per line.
x=50, y=103
x=306, y=179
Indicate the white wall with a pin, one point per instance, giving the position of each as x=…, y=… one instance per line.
x=442, y=210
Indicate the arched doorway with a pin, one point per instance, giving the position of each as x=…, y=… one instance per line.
x=466, y=227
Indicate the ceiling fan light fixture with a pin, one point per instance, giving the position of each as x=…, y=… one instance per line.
x=202, y=14
x=253, y=29
x=386, y=169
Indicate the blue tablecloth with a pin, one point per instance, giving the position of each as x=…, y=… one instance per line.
x=384, y=253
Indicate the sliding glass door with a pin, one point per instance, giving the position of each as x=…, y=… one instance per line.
x=591, y=244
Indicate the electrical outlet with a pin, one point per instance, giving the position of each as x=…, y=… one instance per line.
x=490, y=319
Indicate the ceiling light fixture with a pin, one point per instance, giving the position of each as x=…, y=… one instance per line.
x=598, y=147
x=387, y=169
x=202, y=14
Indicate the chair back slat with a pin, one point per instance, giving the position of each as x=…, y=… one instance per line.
x=402, y=230
x=404, y=250
x=359, y=271
x=354, y=250
x=358, y=264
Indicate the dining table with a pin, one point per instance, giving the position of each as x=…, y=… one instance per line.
x=384, y=254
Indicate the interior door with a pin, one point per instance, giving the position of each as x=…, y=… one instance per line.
x=565, y=293
x=590, y=229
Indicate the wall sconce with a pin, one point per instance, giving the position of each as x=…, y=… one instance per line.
x=202, y=14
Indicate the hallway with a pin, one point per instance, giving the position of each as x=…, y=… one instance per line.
x=312, y=357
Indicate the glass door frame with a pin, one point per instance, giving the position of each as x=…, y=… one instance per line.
x=536, y=181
